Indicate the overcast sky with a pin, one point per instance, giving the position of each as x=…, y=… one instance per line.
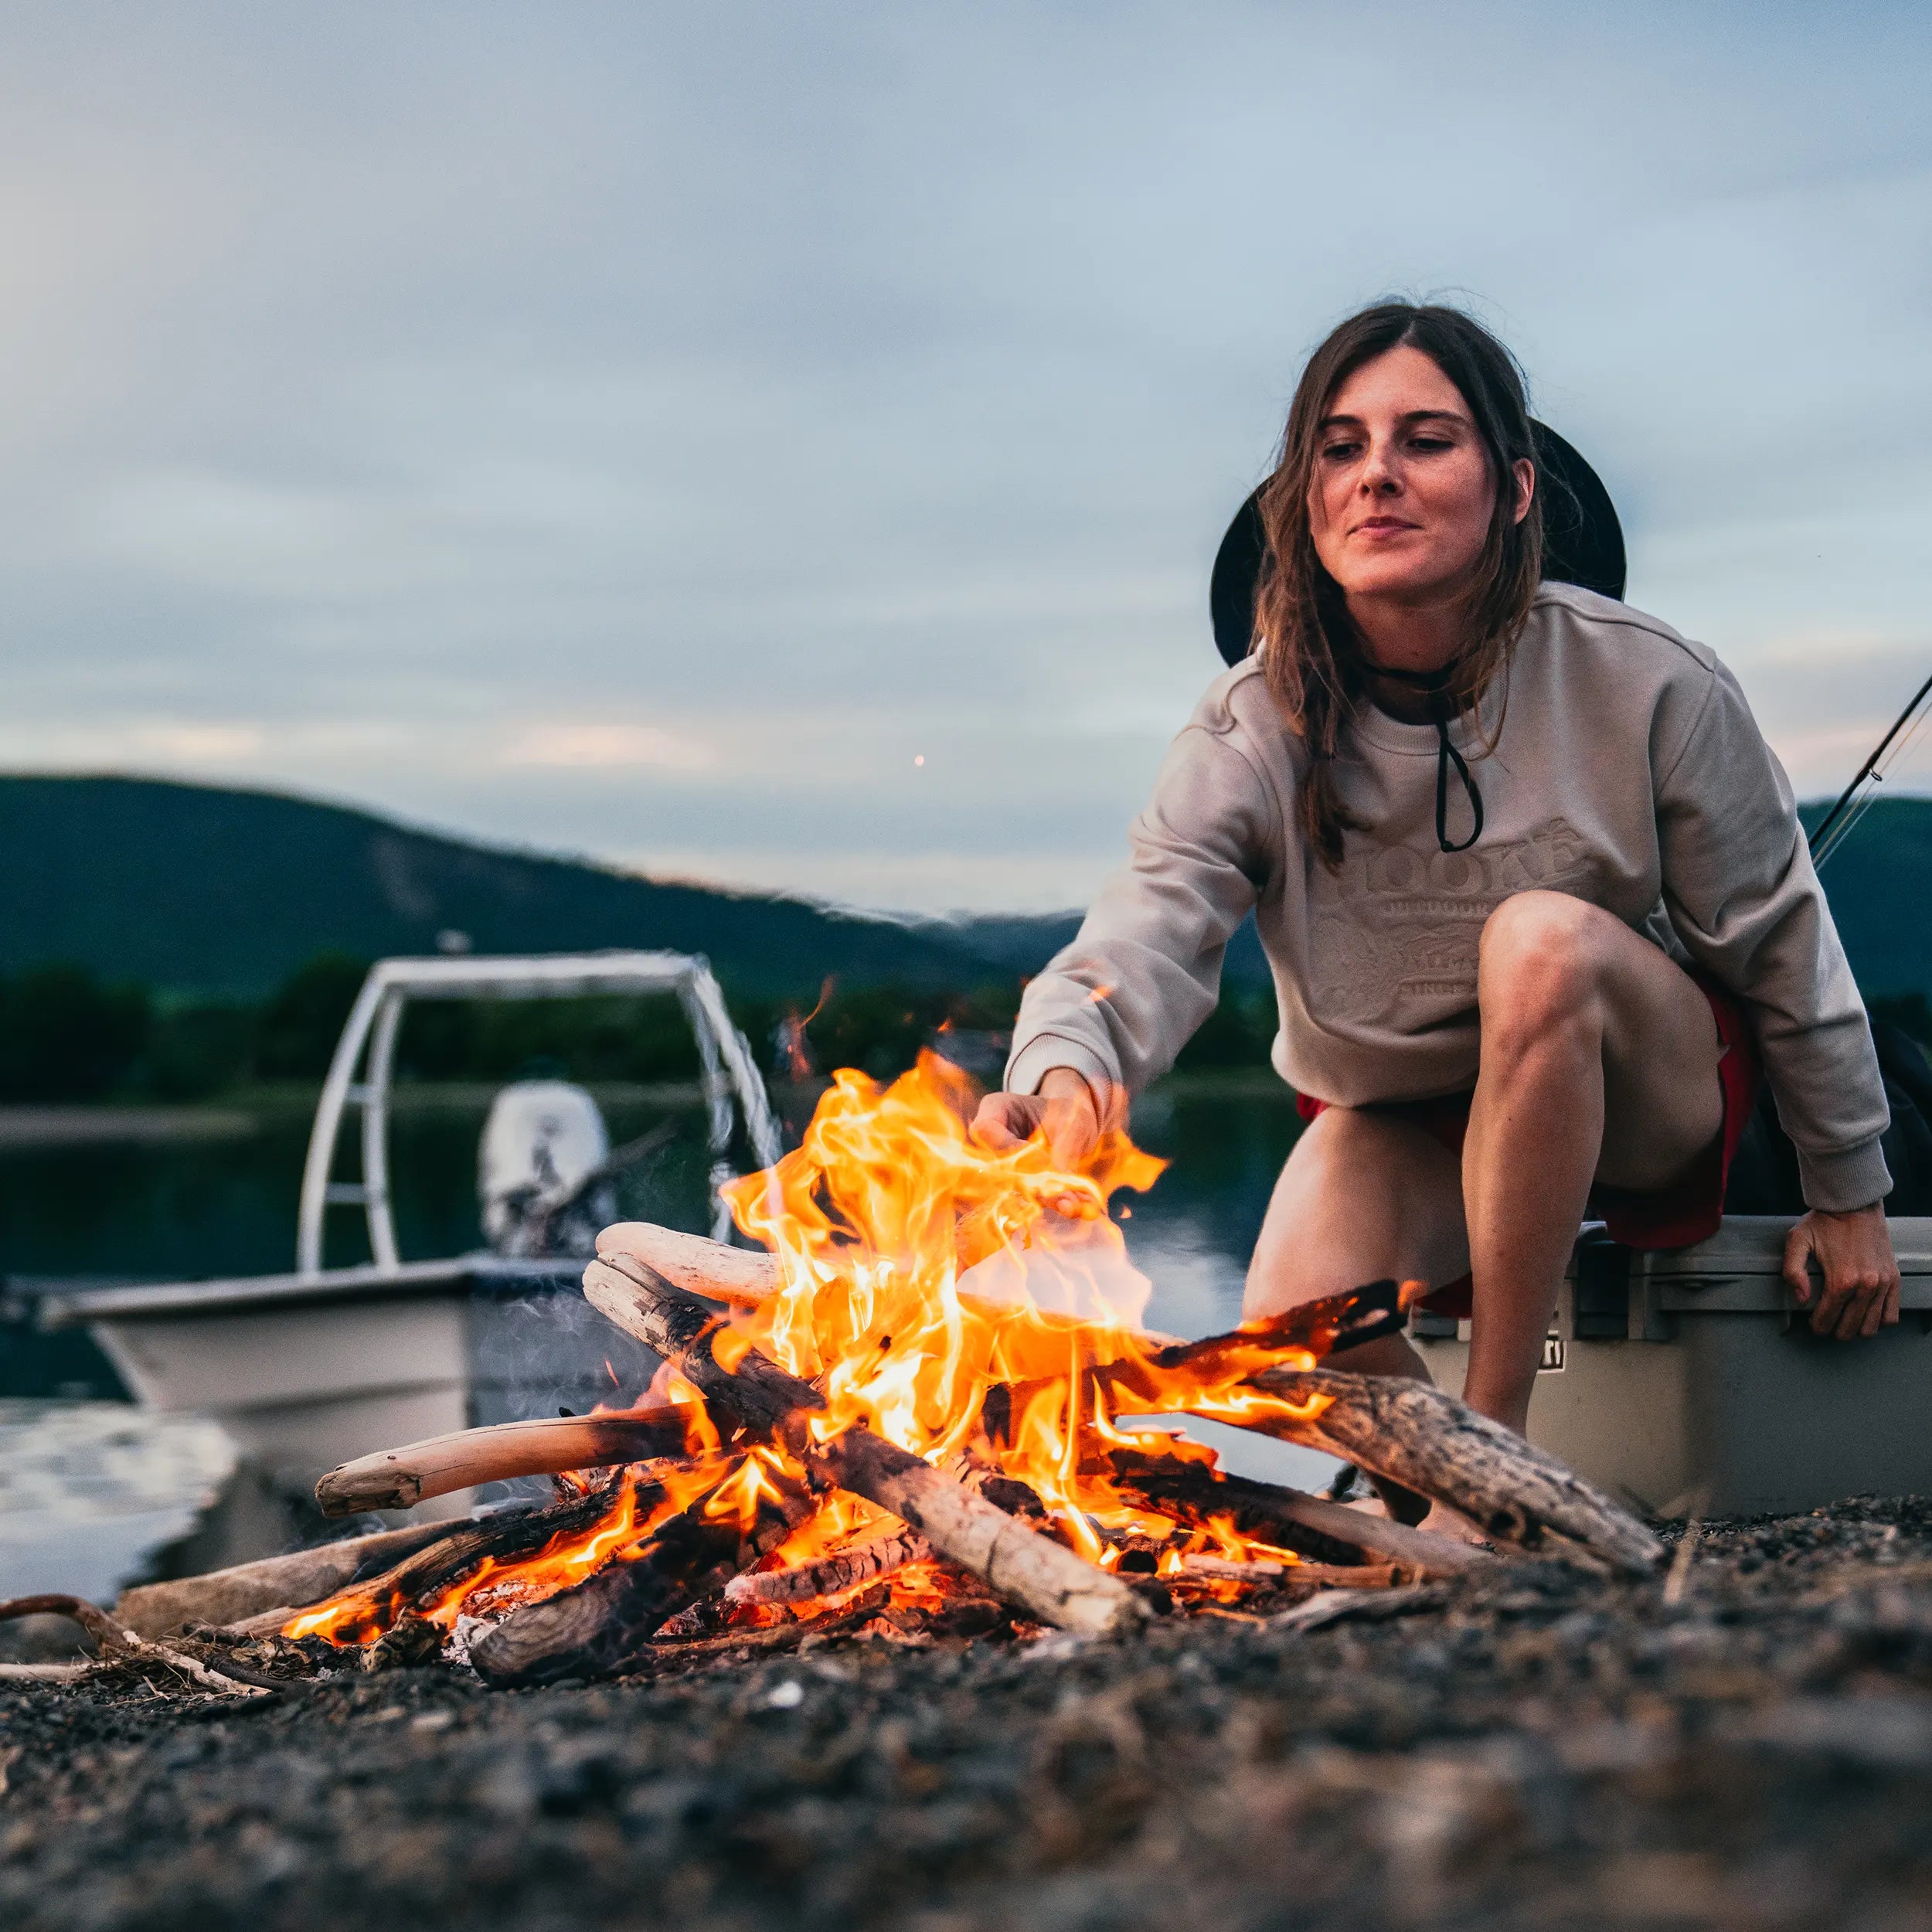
x=648, y=431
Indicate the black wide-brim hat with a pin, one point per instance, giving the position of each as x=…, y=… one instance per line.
x=1583, y=542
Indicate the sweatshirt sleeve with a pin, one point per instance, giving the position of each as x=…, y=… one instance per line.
x=1145, y=969
x=1740, y=891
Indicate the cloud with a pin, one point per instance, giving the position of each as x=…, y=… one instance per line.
x=633, y=430
x=608, y=744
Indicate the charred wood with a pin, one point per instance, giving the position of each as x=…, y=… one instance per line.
x=608, y=1620
x=1197, y=1493
x=755, y=1393
x=1045, y=1578
x=425, y=1574
x=603, y=1623
x=829, y=1576
x=800, y=1633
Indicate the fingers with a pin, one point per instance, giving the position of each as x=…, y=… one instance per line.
x=1858, y=1302
x=1876, y=1303
x=1004, y=1120
x=1071, y=1134
x=1797, y=1252
x=1874, y=1315
x=1853, y=1250
x=1838, y=1310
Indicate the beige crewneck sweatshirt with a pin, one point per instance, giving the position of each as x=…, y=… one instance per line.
x=1628, y=771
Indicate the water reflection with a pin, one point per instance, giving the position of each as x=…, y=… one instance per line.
x=1193, y=1233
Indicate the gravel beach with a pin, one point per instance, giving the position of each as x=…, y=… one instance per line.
x=1750, y=1745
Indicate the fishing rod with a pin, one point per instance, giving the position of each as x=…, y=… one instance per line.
x=1824, y=841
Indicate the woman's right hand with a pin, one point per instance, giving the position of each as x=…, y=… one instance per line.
x=1064, y=1105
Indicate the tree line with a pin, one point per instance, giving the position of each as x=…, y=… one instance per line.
x=66, y=1036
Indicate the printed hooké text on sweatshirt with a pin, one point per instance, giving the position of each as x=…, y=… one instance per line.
x=1398, y=928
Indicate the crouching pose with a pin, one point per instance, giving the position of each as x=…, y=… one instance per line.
x=1532, y=885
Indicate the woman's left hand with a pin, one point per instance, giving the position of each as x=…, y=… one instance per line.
x=1854, y=1252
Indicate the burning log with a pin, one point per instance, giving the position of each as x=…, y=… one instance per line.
x=608, y=1620
x=431, y=1570
x=831, y=1576
x=604, y=1623
x=279, y=1584
x=1222, y=1569
x=1199, y=1494
x=1048, y=1580
x=1409, y=1432
x=400, y=1478
x=1414, y=1434
x=861, y=1366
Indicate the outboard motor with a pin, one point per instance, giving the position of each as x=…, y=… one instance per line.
x=544, y=1171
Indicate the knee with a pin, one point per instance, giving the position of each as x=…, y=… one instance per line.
x=1540, y=966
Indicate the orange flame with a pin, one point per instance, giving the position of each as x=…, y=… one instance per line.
x=919, y=1272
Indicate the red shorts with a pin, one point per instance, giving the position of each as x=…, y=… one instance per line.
x=1674, y=1218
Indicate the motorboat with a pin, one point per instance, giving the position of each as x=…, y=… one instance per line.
x=306, y=1368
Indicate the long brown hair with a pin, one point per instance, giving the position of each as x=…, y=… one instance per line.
x=1308, y=648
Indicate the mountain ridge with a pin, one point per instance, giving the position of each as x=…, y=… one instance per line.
x=212, y=892
x=219, y=891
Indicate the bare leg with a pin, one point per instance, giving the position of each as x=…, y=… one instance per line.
x=1362, y=1197
x=1598, y=1061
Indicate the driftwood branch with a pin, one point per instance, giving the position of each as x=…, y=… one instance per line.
x=400, y=1478
x=1416, y=1435
x=47, y=1673
x=670, y=1644
x=302, y=1577
x=1327, y=1576
x=693, y=1263
x=118, y=1644
x=1045, y=1578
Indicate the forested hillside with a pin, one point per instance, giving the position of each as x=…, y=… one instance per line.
x=195, y=890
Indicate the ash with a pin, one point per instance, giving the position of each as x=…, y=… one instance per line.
x=1750, y=1747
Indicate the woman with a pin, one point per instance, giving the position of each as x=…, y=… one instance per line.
x=1531, y=883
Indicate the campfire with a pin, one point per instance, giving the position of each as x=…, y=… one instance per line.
x=910, y=1415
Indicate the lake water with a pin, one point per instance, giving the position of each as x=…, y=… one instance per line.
x=188, y=1209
